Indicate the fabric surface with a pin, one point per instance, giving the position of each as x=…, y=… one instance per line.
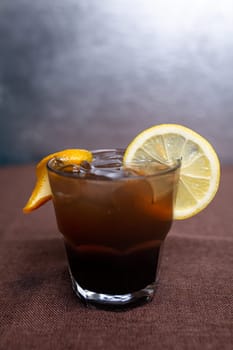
x=192, y=308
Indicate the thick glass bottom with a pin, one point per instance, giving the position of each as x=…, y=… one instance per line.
x=108, y=301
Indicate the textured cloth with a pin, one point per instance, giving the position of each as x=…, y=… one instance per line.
x=192, y=308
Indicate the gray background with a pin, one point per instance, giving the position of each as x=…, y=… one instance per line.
x=90, y=74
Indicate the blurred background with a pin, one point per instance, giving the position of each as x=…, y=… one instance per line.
x=93, y=74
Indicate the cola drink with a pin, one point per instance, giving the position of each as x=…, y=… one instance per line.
x=114, y=219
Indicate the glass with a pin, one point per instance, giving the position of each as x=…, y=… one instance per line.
x=114, y=220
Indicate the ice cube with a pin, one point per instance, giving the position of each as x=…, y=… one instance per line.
x=85, y=165
x=100, y=174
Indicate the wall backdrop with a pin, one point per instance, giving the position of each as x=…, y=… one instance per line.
x=91, y=74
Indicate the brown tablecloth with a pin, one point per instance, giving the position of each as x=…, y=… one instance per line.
x=192, y=309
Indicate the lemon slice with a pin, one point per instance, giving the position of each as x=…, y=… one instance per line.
x=42, y=192
x=200, y=169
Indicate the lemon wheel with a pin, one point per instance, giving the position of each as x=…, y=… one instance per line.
x=200, y=169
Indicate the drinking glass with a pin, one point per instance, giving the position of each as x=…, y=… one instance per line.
x=114, y=219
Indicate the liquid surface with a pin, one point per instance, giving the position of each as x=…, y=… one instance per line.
x=108, y=165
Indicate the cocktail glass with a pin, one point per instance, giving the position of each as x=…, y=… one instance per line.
x=114, y=219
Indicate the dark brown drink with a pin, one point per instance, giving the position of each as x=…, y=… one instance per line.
x=114, y=220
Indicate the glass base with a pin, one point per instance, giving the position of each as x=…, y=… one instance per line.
x=108, y=301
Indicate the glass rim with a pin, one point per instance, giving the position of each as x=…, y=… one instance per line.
x=171, y=167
